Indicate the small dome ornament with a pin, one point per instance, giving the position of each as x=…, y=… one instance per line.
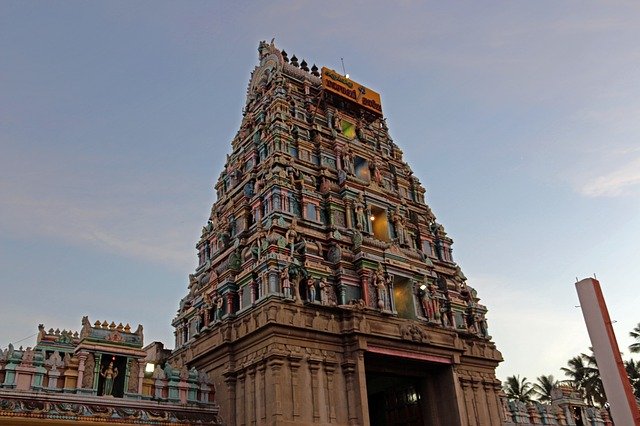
x=314, y=71
x=303, y=66
x=285, y=56
x=294, y=61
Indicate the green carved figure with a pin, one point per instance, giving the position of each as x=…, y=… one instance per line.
x=109, y=374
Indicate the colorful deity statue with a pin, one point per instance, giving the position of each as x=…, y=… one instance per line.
x=109, y=373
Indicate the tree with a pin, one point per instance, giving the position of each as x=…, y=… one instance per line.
x=519, y=390
x=583, y=372
x=633, y=371
x=635, y=333
x=543, y=387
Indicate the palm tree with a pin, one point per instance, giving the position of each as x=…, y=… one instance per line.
x=519, y=390
x=543, y=387
x=633, y=371
x=635, y=347
x=583, y=371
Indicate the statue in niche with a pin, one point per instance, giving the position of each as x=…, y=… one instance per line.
x=336, y=124
x=398, y=223
x=380, y=284
x=297, y=273
x=235, y=260
x=361, y=218
x=311, y=287
x=431, y=303
x=481, y=325
x=377, y=172
x=256, y=250
x=325, y=291
x=360, y=130
x=223, y=231
x=446, y=314
x=219, y=303
x=285, y=282
x=87, y=378
x=294, y=241
x=347, y=162
x=109, y=373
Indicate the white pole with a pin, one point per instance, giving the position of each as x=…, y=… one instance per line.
x=624, y=409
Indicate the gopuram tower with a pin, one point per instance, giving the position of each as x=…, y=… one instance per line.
x=326, y=292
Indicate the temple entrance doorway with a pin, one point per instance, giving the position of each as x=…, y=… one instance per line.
x=409, y=392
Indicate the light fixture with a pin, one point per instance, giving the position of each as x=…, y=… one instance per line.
x=423, y=287
x=372, y=217
x=149, y=368
x=347, y=76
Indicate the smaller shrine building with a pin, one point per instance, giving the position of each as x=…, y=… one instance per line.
x=102, y=374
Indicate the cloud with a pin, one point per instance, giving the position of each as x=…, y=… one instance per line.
x=622, y=181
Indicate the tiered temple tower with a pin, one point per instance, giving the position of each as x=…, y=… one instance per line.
x=326, y=291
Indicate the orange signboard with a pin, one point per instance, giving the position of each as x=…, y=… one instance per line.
x=342, y=86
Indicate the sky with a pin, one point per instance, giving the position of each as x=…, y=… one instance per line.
x=521, y=119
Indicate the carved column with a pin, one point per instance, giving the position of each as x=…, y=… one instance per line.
x=364, y=285
x=491, y=389
x=275, y=364
x=251, y=395
x=141, y=366
x=230, y=307
x=329, y=369
x=82, y=357
x=294, y=364
x=231, y=381
x=241, y=411
x=261, y=403
x=314, y=366
x=349, y=370
x=348, y=211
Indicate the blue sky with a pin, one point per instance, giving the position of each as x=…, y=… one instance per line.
x=520, y=118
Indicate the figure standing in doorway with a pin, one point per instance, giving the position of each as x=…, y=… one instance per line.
x=109, y=374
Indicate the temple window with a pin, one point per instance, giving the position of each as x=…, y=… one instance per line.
x=362, y=168
x=348, y=129
x=379, y=223
x=426, y=248
x=311, y=212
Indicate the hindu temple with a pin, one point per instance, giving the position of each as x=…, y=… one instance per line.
x=100, y=375
x=326, y=291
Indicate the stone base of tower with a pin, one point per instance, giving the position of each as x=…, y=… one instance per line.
x=283, y=363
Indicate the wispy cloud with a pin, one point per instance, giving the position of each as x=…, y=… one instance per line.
x=621, y=181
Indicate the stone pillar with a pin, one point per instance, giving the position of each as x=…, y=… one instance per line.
x=329, y=369
x=241, y=411
x=348, y=211
x=294, y=365
x=251, y=394
x=261, y=404
x=274, y=380
x=364, y=285
x=141, y=367
x=82, y=357
x=314, y=366
x=231, y=380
